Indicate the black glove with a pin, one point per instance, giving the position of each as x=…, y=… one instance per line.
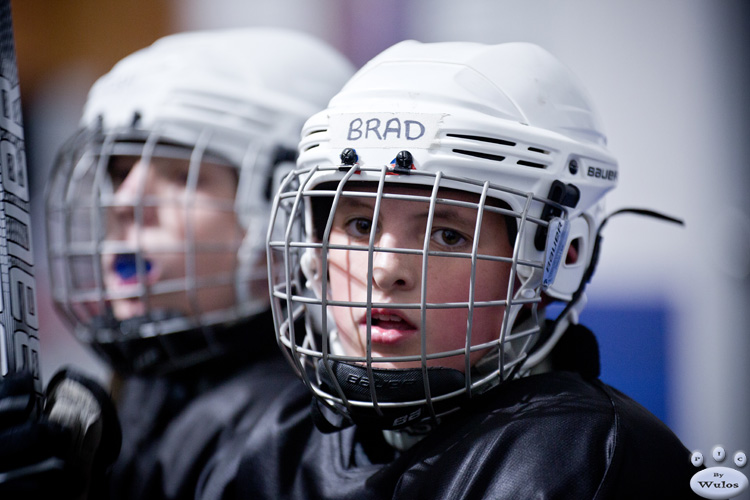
x=60, y=451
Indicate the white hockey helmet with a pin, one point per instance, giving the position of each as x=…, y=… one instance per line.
x=236, y=98
x=506, y=122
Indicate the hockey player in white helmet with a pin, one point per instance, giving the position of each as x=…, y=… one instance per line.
x=446, y=196
x=157, y=212
x=157, y=208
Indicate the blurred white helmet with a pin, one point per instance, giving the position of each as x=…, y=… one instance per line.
x=507, y=123
x=225, y=104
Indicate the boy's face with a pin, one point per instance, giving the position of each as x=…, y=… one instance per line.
x=397, y=277
x=180, y=231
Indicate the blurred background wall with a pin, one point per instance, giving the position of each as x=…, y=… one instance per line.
x=670, y=78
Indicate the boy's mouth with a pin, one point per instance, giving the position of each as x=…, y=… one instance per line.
x=125, y=267
x=389, y=326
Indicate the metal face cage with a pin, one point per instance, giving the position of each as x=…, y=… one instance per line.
x=396, y=388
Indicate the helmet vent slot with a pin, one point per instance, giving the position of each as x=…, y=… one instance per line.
x=534, y=164
x=538, y=150
x=494, y=157
x=317, y=131
x=480, y=138
x=477, y=154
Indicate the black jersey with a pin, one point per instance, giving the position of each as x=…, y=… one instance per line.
x=554, y=435
x=173, y=424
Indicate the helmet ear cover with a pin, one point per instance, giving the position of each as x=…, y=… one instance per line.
x=572, y=267
x=568, y=273
x=564, y=194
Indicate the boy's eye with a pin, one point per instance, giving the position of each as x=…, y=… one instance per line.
x=448, y=237
x=177, y=174
x=118, y=169
x=359, y=227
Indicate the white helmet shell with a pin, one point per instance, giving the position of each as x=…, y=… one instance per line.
x=259, y=81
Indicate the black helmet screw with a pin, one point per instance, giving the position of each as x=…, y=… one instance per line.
x=573, y=167
x=348, y=156
x=404, y=159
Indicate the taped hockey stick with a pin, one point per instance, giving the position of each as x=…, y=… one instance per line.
x=19, y=323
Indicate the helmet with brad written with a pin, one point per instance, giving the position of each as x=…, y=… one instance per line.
x=447, y=193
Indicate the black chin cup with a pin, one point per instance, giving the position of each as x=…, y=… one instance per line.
x=393, y=386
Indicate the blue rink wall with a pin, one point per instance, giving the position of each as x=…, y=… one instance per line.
x=633, y=342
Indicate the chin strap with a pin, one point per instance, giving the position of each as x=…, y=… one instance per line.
x=571, y=312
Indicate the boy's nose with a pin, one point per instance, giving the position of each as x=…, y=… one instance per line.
x=131, y=204
x=394, y=271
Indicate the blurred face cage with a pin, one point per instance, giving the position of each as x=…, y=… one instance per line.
x=375, y=388
x=158, y=208
x=154, y=242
